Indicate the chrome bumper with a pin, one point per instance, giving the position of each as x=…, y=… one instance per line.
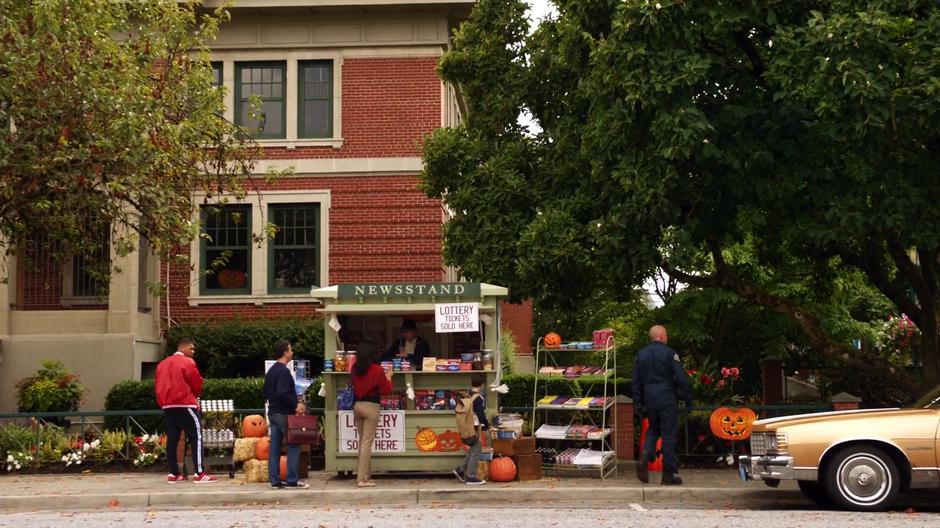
x=767, y=467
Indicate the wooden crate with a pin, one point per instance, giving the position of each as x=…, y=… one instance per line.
x=528, y=467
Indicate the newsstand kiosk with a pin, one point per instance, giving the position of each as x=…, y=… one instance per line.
x=460, y=321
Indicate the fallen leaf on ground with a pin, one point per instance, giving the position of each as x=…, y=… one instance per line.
x=114, y=504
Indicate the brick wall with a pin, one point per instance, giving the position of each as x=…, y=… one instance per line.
x=388, y=106
x=517, y=318
x=382, y=229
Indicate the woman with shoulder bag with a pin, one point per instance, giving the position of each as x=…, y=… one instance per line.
x=370, y=383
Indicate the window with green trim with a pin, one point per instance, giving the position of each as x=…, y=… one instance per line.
x=217, y=74
x=264, y=80
x=315, y=105
x=225, y=263
x=293, y=254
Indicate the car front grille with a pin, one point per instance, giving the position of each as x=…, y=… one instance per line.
x=760, y=443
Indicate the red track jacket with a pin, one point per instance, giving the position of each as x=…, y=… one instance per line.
x=178, y=382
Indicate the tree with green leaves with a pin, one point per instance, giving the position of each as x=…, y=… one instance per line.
x=731, y=144
x=110, y=123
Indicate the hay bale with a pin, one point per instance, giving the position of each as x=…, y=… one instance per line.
x=256, y=470
x=244, y=449
x=483, y=470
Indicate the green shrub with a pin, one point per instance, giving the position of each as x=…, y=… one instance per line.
x=246, y=393
x=15, y=438
x=508, y=349
x=239, y=348
x=52, y=389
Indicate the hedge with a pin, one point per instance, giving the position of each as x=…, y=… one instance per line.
x=239, y=348
x=246, y=393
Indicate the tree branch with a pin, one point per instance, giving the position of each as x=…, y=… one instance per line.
x=910, y=270
x=743, y=41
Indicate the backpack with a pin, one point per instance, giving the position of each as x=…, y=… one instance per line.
x=465, y=416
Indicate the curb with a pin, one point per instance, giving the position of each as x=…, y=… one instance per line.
x=390, y=496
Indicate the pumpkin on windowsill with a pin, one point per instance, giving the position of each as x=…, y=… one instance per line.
x=231, y=279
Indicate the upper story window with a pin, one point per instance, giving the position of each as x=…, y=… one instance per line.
x=266, y=80
x=225, y=263
x=315, y=104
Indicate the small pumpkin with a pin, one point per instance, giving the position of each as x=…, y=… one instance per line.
x=254, y=426
x=732, y=424
x=283, y=468
x=552, y=340
x=426, y=440
x=232, y=278
x=262, y=448
x=502, y=469
x=449, y=441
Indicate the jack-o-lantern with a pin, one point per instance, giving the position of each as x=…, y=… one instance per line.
x=262, y=448
x=426, y=440
x=502, y=469
x=232, y=278
x=552, y=340
x=254, y=426
x=449, y=441
x=732, y=424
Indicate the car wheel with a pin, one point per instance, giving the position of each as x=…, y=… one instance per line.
x=816, y=492
x=862, y=478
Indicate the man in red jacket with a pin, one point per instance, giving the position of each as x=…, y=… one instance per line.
x=178, y=384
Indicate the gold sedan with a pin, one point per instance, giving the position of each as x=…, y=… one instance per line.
x=858, y=460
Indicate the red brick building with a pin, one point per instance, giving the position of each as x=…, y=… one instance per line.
x=348, y=91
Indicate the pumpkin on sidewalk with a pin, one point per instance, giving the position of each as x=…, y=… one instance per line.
x=263, y=448
x=502, y=469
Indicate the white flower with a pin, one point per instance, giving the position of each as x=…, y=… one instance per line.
x=86, y=447
x=658, y=5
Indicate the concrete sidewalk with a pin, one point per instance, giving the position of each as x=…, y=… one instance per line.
x=137, y=490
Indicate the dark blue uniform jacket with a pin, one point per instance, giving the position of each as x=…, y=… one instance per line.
x=659, y=378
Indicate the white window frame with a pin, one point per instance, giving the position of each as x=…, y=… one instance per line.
x=259, y=253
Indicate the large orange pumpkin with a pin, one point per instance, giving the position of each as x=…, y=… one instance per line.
x=283, y=468
x=254, y=426
x=502, y=469
x=552, y=340
x=732, y=424
x=426, y=440
x=449, y=441
x=262, y=448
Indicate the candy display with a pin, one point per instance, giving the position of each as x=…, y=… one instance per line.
x=393, y=402
x=441, y=400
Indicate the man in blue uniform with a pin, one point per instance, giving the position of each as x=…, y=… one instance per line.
x=659, y=381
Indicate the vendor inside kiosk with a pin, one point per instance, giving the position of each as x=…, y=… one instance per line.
x=434, y=337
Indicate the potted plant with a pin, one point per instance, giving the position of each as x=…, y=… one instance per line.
x=52, y=389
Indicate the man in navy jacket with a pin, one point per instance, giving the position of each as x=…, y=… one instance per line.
x=281, y=396
x=659, y=381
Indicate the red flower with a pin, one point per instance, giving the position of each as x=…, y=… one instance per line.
x=705, y=379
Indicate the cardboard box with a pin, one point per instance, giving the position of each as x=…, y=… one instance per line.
x=519, y=446
x=528, y=467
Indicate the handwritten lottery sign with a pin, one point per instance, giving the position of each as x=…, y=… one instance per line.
x=389, y=436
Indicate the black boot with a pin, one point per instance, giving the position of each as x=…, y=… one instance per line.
x=671, y=479
x=643, y=471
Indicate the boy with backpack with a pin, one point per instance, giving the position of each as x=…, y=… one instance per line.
x=471, y=415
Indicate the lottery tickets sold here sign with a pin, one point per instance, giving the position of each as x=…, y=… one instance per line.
x=456, y=317
x=389, y=436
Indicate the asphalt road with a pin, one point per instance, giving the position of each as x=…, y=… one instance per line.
x=439, y=516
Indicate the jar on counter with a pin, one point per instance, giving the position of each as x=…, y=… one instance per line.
x=487, y=361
